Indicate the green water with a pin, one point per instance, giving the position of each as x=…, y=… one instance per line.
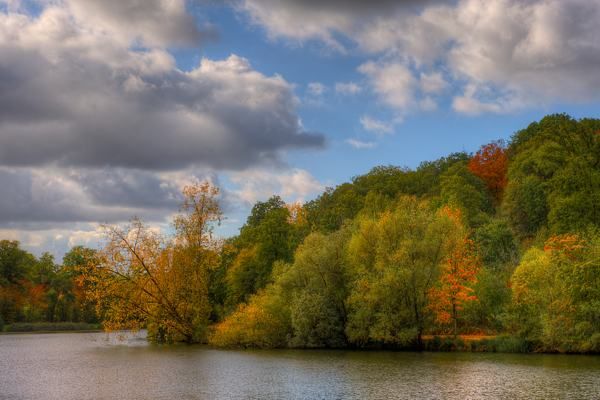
x=94, y=366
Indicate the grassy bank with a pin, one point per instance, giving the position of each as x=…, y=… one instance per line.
x=40, y=327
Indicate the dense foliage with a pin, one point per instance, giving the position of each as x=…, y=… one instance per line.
x=37, y=289
x=503, y=242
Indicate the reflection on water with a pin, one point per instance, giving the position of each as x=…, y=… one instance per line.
x=100, y=366
x=126, y=338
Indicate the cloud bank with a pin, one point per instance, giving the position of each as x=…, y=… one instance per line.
x=98, y=124
x=499, y=56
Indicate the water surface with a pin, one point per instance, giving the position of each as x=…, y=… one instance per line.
x=94, y=366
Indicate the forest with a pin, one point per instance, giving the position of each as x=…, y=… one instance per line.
x=503, y=244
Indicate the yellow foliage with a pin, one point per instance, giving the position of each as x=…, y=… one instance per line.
x=263, y=322
x=143, y=279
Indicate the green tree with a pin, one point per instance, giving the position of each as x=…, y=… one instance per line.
x=269, y=235
x=397, y=260
x=15, y=262
x=76, y=263
x=317, y=285
x=329, y=211
x=556, y=293
x=15, y=266
x=553, y=176
x=463, y=190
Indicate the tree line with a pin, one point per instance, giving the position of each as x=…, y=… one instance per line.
x=505, y=241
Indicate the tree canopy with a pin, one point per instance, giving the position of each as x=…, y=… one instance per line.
x=502, y=241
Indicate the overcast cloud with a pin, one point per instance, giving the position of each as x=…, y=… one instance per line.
x=72, y=97
x=97, y=123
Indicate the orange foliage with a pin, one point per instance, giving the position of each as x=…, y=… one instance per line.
x=11, y=296
x=37, y=295
x=568, y=244
x=490, y=164
x=459, y=273
x=297, y=213
x=454, y=214
x=143, y=278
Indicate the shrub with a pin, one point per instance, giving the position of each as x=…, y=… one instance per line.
x=263, y=323
x=512, y=344
x=592, y=345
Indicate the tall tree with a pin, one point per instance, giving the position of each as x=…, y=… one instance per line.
x=270, y=234
x=146, y=279
x=455, y=288
x=317, y=285
x=397, y=259
x=15, y=266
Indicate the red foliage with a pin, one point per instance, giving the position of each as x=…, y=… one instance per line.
x=490, y=164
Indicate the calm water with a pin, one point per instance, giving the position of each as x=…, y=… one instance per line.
x=94, y=366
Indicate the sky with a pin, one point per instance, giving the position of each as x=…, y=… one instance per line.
x=109, y=107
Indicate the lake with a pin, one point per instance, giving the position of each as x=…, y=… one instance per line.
x=98, y=366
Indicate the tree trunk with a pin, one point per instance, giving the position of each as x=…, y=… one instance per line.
x=454, y=319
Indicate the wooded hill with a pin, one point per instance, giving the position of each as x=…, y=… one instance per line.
x=503, y=241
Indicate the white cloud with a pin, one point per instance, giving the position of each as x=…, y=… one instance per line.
x=294, y=21
x=392, y=82
x=359, y=144
x=531, y=52
x=397, y=86
x=80, y=97
x=477, y=100
x=305, y=20
x=88, y=238
x=260, y=184
x=150, y=22
x=428, y=104
x=58, y=240
x=376, y=126
x=316, y=89
x=53, y=209
x=98, y=124
x=432, y=83
x=347, y=88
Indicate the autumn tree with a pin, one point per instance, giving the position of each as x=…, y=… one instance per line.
x=148, y=280
x=263, y=322
x=490, y=164
x=455, y=289
x=556, y=294
x=15, y=265
x=397, y=258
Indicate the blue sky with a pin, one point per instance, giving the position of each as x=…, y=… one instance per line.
x=420, y=137
x=110, y=107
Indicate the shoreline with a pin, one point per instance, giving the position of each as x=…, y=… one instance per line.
x=50, y=327
x=50, y=331
x=431, y=344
